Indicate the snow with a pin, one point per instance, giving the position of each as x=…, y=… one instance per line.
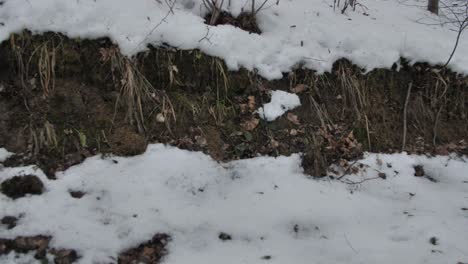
x=267, y=205
x=300, y=32
x=281, y=102
x=4, y=154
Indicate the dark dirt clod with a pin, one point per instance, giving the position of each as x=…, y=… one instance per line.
x=224, y=236
x=244, y=21
x=382, y=175
x=19, y=186
x=419, y=171
x=268, y=257
x=64, y=256
x=9, y=221
x=5, y=246
x=150, y=252
x=296, y=228
x=434, y=241
x=38, y=244
x=77, y=194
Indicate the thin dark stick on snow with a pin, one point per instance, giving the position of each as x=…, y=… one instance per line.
x=349, y=244
x=171, y=11
x=404, y=115
x=346, y=172
x=359, y=182
x=206, y=35
x=368, y=132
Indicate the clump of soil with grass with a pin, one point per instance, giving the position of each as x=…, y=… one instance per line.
x=245, y=21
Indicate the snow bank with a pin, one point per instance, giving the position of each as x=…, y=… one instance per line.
x=281, y=102
x=266, y=204
x=306, y=32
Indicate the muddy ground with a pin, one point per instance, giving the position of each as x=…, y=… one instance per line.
x=62, y=100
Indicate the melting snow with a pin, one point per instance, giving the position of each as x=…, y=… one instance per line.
x=305, y=32
x=281, y=102
x=266, y=204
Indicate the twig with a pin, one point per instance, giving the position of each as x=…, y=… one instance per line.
x=349, y=244
x=404, y=116
x=368, y=132
x=346, y=172
x=171, y=11
x=359, y=182
x=435, y=126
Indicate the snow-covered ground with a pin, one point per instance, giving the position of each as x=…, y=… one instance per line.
x=308, y=32
x=268, y=206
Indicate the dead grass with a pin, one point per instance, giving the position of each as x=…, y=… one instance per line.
x=136, y=91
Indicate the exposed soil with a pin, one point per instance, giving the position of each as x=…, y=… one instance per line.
x=40, y=246
x=93, y=101
x=190, y=100
x=9, y=221
x=149, y=252
x=20, y=186
x=245, y=21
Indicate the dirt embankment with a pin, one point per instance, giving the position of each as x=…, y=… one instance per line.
x=62, y=100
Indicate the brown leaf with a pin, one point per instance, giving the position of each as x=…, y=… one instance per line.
x=250, y=124
x=299, y=88
x=274, y=144
x=251, y=103
x=293, y=119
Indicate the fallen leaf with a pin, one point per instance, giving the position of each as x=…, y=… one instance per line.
x=293, y=119
x=274, y=144
x=250, y=124
x=299, y=88
x=251, y=103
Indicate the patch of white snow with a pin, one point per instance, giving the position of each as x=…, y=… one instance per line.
x=281, y=102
